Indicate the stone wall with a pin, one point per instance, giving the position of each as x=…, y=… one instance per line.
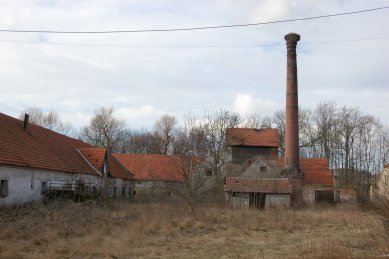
x=346, y=195
x=309, y=193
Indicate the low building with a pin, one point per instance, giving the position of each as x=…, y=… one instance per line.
x=35, y=161
x=119, y=182
x=257, y=193
x=153, y=174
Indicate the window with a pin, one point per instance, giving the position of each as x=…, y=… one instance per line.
x=3, y=188
x=44, y=188
x=263, y=169
x=208, y=172
x=124, y=191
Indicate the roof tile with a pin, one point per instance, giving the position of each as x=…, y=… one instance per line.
x=39, y=147
x=252, y=137
x=315, y=170
x=151, y=167
x=237, y=184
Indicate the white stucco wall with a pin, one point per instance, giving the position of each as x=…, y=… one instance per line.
x=25, y=184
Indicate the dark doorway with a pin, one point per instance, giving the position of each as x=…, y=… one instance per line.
x=257, y=200
x=324, y=196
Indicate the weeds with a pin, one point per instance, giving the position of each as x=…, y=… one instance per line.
x=119, y=229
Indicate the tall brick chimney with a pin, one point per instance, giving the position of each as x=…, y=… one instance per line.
x=292, y=159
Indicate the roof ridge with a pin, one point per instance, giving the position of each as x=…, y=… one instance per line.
x=253, y=128
x=161, y=155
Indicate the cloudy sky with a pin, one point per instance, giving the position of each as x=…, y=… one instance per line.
x=142, y=83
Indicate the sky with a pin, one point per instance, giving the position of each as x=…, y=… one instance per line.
x=142, y=83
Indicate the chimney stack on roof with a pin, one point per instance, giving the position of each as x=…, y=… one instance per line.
x=26, y=119
x=292, y=159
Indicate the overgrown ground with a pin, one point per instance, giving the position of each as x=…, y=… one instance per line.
x=166, y=230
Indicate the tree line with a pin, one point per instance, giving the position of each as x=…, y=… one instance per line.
x=347, y=137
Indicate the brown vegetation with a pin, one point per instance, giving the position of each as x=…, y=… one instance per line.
x=166, y=230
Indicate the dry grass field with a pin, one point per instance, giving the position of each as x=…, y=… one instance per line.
x=167, y=230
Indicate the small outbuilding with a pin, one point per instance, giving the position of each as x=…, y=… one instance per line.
x=257, y=193
x=153, y=174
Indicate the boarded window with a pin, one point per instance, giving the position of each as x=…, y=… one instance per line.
x=44, y=188
x=3, y=188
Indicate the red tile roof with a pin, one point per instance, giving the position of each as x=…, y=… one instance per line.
x=79, y=143
x=315, y=170
x=96, y=156
x=39, y=148
x=264, y=185
x=252, y=137
x=117, y=170
x=151, y=167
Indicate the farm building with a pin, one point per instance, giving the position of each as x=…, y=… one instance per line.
x=261, y=176
x=121, y=183
x=153, y=174
x=35, y=161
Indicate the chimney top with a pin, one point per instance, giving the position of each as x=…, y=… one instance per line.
x=292, y=37
x=25, y=124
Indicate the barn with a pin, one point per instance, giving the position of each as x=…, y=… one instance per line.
x=35, y=162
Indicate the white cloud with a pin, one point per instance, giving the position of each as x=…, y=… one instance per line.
x=76, y=80
x=136, y=117
x=245, y=104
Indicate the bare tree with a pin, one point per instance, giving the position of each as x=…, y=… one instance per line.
x=164, y=128
x=279, y=121
x=214, y=126
x=104, y=130
x=345, y=136
x=325, y=123
x=189, y=163
x=143, y=142
x=49, y=120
